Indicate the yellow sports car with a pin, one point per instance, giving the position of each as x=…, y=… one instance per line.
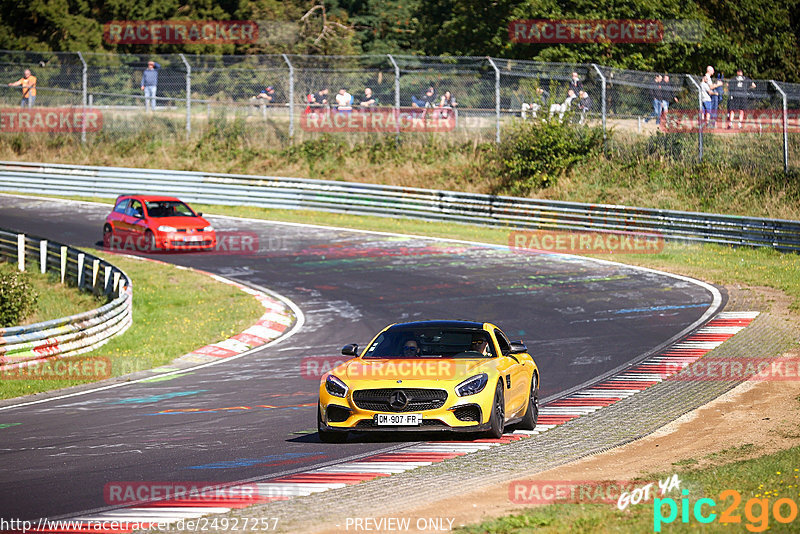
x=431, y=375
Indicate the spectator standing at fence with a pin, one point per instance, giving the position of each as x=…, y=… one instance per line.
x=344, y=101
x=705, y=96
x=739, y=88
x=717, y=91
x=150, y=84
x=427, y=100
x=655, y=97
x=28, y=84
x=369, y=100
x=575, y=85
x=668, y=96
x=584, y=105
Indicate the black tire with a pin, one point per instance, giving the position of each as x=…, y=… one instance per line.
x=328, y=436
x=497, y=420
x=531, y=416
x=108, y=236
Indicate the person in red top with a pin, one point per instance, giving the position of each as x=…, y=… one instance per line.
x=28, y=83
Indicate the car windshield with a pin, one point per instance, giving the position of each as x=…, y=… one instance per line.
x=168, y=208
x=431, y=343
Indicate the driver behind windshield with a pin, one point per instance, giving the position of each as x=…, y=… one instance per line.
x=481, y=346
x=411, y=349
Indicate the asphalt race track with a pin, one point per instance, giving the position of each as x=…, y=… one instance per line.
x=580, y=319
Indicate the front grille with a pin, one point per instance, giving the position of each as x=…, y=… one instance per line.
x=337, y=414
x=378, y=400
x=471, y=412
x=203, y=243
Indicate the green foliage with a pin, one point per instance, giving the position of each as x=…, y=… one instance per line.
x=761, y=36
x=534, y=154
x=17, y=297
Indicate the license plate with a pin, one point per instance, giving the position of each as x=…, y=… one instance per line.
x=193, y=238
x=400, y=419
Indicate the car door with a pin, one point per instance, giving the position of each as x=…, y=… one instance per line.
x=136, y=221
x=514, y=376
x=117, y=222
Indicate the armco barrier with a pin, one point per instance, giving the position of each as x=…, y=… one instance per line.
x=392, y=201
x=25, y=345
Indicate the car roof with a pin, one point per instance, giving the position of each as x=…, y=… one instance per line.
x=466, y=325
x=148, y=198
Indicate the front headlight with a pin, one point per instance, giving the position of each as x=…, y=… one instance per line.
x=473, y=385
x=208, y=229
x=165, y=228
x=335, y=387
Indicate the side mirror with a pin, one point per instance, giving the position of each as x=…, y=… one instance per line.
x=350, y=350
x=518, y=347
x=199, y=213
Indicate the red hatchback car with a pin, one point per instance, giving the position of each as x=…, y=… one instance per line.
x=152, y=222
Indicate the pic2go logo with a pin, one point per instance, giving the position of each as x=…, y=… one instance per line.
x=756, y=511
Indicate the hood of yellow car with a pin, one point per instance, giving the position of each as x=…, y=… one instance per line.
x=411, y=369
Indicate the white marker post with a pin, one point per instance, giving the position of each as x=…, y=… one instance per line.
x=21, y=251
x=63, y=263
x=43, y=256
x=81, y=260
x=107, y=281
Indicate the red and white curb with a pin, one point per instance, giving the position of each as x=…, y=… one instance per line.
x=647, y=373
x=270, y=326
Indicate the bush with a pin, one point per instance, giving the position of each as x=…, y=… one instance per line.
x=17, y=297
x=534, y=154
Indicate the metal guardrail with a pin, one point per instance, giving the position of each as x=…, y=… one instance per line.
x=67, y=336
x=392, y=201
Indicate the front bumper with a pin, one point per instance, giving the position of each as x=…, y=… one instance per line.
x=347, y=416
x=186, y=241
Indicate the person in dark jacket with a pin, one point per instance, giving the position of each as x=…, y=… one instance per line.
x=150, y=84
x=655, y=98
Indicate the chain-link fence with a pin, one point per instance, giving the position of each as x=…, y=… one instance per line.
x=275, y=99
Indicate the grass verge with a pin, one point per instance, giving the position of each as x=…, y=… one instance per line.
x=175, y=311
x=760, y=483
x=54, y=299
x=740, y=174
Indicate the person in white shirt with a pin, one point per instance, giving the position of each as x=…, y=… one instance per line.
x=344, y=101
x=705, y=96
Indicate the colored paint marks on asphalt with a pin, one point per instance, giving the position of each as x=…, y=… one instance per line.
x=286, y=458
x=164, y=378
x=8, y=425
x=158, y=398
x=184, y=411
